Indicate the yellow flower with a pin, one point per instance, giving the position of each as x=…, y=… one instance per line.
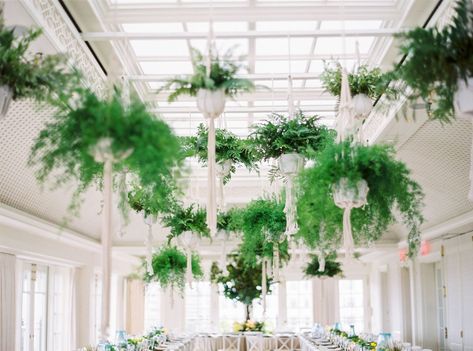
x=250, y=324
x=237, y=327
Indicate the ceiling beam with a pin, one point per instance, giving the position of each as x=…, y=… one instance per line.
x=237, y=11
x=254, y=76
x=350, y=56
x=246, y=109
x=321, y=33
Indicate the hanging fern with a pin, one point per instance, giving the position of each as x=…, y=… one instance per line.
x=391, y=190
x=223, y=71
x=228, y=147
x=332, y=267
x=263, y=222
x=169, y=268
x=182, y=219
x=279, y=135
x=62, y=150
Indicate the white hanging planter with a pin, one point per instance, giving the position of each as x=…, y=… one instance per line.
x=211, y=103
x=362, y=105
x=6, y=95
x=224, y=168
x=346, y=196
x=463, y=98
x=291, y=163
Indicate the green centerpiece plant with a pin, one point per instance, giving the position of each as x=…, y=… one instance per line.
x=392, y=194
x=330, y=268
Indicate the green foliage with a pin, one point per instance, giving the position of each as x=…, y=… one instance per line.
x=63, y=147
x=363, y=81
x=148, y=202
x=242, y=283
x=391, y=190
x=169, y=268
x=263, y=223
x=223, y=72
x=332, y=267
x=279, y=135
x=31, y=76
x=230, y=221
x=228, y=147
x=435, y=60
x=182, y=219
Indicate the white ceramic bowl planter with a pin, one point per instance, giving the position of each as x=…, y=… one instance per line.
x=463, y=98
x=291, y=163
x=211, y=103
x=6, y=96
x=348, y=197
x=362, y=105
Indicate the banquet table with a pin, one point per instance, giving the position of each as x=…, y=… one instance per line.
x=214, y=342
x=308, y=343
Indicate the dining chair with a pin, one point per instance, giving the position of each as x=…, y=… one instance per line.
x=231, y=342
x=254, y=342
x=284, y=342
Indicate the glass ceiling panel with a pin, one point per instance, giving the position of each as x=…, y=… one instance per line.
x=280, y=46
x=217, y=26
x=286, y=25
x=350, y=25
x=334, y=46
x=169, y=27
x=164, y=67
x=169, y=47
x=280, y=66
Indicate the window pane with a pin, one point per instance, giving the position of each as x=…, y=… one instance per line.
x=351, y=303
x=152, y=306
x=229, y=312
x=198, y=307
x=272, y=309
x=299, y=304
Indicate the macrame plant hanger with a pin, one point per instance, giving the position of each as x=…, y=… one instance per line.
x=222, y=170
x=344, y=195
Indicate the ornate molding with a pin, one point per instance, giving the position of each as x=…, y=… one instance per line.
x=50, y=16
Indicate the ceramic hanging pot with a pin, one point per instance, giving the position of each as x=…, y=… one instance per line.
x=224, y=168
x=345, y=195
x=362, y=105
x=211, y=103
x=463, y=98
x=291, y=163
x=6, y=96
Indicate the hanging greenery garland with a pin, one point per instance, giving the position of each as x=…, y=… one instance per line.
x=228, y=147
x=146, y=201
x=280, y=135
x=22, y=75
x=331, y=269
x=169, y=268
x=438, y=62
x=63, y=147
x=186, y=219
x=391, y=190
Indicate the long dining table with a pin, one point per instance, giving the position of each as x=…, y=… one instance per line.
x=214, y=342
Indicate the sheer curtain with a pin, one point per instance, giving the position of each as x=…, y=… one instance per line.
x=7, y=302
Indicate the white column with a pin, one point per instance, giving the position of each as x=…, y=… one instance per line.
x=7, y=301
x=214, y=308
x=282, y=315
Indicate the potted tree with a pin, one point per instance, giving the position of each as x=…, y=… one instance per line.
x=366, y=84
x=242, y=282
x=24, y=75
x=346, y=166
x=169, y=268
x=438, y=65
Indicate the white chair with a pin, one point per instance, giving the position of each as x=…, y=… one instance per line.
x=231, y=342
x=254, y=341
x=284, y=342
